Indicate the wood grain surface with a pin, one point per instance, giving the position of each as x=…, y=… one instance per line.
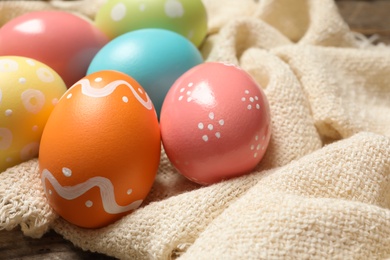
x=371, y=18
x=368, y=17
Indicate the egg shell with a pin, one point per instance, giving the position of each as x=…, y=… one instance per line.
x=64, y=41
x=188, y=18
x=153, y=57
x=100, y=150
x=29, y=90
x=215, y=123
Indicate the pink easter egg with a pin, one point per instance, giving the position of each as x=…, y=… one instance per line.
x=215, y=123
x=63, y=41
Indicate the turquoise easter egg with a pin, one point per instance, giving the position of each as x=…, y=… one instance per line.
x=153, y=57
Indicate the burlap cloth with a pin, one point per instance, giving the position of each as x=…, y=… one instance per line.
x=323, y=188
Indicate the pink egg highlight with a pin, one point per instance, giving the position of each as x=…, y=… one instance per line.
x=215, y=123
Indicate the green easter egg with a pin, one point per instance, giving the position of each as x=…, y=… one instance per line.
x=186, y=17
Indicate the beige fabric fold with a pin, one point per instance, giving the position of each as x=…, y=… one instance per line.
x=331, y=204
x=321, y=191
x=348, y=92
x=22, y=200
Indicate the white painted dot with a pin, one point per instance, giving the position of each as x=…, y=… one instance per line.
x=190, y=34
x=200, y=125
x=22, y=80
x=205, y=138
x=35, y=128
x=251, y=99
x=243, y=99
x=218, y=134
x=256, y=97
x=189, y=99
x=258, y=147
x=45, y=75
x=256, y=137
x=249, y=107
x=174, y=9
x=142, y=7
x=118, y=12
x=210, y=127
x=88, y=203
x=190, y=84
x=180, y=98
x=263, y=137
x=140, y=90
x=67, y=172
x=129, y=191
x=221, y=122
x=252, y=147
x=7, y=65
x=99, y=79
x=211, y=115
x=33, y=100
x=188, y=93
x=257, y=106
x=50, y=192
x=69, y=96
x=8, y=112
x=182, y=90
x=125, y=99
x=255, y=155
x=9, y=159
x=30, y=62
x=246, y=91
x=54, y=101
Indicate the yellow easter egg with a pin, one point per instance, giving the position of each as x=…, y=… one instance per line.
x=29, y=90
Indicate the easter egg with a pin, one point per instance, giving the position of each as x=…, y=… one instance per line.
x=61, y=40
x=153, y=57
x=215, y=123
x=100, y=150
x=29, y=90
x=188, y=18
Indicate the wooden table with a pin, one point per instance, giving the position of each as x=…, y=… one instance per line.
x=366, y=17
x=369, y=17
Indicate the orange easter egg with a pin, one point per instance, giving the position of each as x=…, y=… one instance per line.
x=100, y=150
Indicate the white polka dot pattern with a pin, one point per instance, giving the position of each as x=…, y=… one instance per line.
x=185, y=17
x=210, y=126
x=36, y=88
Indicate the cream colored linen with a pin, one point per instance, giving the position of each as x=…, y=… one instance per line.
x=323, y=188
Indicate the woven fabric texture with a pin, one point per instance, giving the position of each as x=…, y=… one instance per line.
x=321, y=191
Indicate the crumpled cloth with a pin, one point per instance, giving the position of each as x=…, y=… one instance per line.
x=321, y=191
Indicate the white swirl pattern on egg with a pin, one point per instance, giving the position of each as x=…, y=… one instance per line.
x=106, y=192
x=107, y=90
